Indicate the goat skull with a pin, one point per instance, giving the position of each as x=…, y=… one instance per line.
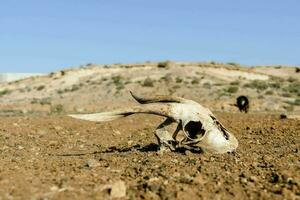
x=199, y=125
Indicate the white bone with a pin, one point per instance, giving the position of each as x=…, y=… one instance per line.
x=205, y=131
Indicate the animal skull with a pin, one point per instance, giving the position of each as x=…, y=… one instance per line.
x=198, y=124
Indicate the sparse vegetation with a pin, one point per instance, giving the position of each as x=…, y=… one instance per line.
x=232, y=89
x=195, y=81
x=59, y=108
x=235, y=83
x=286, y=94
x=260, y=96
x=178, y=79
x=5, y=92
x=275, y=85
x=175, y=87
x=289, y=108
x=167, y=78
x=41, y=87
x=72, y=89
x=293, y=87
x=297, y=102
x=62, y=73
x=233, y=64
x=165, y=64
x=148, y=82
x=207, y=85
x=269, y=92
x=257, y=84
x=43, y=101
x=118, y=81
x=291, y=79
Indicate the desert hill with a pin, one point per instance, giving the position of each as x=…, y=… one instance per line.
x=98, y=87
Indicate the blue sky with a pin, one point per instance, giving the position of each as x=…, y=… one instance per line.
x=48, y=35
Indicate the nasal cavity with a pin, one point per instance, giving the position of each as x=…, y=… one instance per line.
x=194, y=129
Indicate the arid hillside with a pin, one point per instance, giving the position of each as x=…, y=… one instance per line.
x=97, y=87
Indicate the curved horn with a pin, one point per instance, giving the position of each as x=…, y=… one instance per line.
x=158, y=99
x=155, y=109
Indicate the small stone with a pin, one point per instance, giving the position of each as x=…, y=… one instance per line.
x=188, y=153
x=244, y=180
x=175, y=161
x=143, y=134
x=58, y=128
x=118, y=189
x=116, y=132
x=20, y=147
x=267, y=158
x=176, y=174
x=116, y=170
x=187, y=179
x=253, y=178
x=41, y=132
x=92, y=163
x=54, y=188
x=53, y=143
x=154, y=188
x=153, y=179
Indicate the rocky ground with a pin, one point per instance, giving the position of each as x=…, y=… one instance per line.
x=57, y=157
x=46, y=155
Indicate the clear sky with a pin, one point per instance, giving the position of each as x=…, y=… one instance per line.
x=48, y=35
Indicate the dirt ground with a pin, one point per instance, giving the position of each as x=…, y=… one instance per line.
x=56, y=157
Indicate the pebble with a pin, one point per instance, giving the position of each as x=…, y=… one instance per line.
x=244, y=180
x=176, y=174
x=20, y=147
x=267, y=158
x=188, y=153
x=92, y=163
x=58, y=128
x=175, y=161
x=53, y=143
x=41, y=132
x=253, y=178
x=153, y=179
x=116, y=132
x=118, y=189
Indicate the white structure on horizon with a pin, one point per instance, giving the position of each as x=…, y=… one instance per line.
x=8, y=77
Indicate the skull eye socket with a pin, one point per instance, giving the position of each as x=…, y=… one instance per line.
x=194, y=130
x=220, y=127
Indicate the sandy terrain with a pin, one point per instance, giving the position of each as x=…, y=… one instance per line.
x=56, y=157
